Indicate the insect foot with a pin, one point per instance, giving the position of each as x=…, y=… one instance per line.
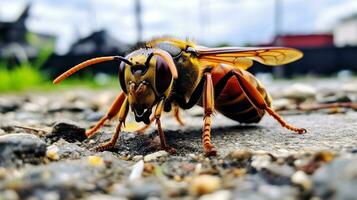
x=169, y=150
x=103, y=147
x=210, y=151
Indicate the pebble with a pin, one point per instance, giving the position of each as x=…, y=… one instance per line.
x=70, y=150
x=280, y=170
x=261, y=161
x=52, y=152
x=95, y=161
x=176, y=189
x=325, y=156
x=240, y=155
x=137, y=170
x=68, y=132
x=119, y=190
x=69, y=178
x=3, y=172
x=94, y=116
x=254, y=187
x=336, y=98
x=155, y=156
x=299, y=92
x=51, y=195
x=204, y=184
x=21, y=148
x=8, y=105
x=337, y=180
x=145, y=189
x=9, y=195
x=302, y=179
x=221, y=195
x=137, y=158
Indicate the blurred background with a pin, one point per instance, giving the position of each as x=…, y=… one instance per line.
x=39, y=39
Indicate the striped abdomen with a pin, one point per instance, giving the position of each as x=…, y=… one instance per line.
x=232, y=102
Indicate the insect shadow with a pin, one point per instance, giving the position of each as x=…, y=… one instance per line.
x=189, y=141
x=185, y=141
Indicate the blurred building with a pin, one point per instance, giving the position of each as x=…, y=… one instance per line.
x=303, y=40
x=17, y=43
x=345, y=32
x=98, y=42
x=13, y=41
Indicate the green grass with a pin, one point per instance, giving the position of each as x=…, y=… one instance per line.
x=19, y=78
x=28, y=76
x=24, y=77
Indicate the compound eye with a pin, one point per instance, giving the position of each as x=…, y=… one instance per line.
x=173, y=50
x=163, y=75
x=122, y=76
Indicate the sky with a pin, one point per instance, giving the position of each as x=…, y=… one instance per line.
x=209, y=22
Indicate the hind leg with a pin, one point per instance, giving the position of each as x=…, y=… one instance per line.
x=255, y=98
x=258, y=101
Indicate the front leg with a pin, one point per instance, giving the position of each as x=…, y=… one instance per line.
x=113, y=110
x=123, y=112
x=208, y=105
x=157, y=115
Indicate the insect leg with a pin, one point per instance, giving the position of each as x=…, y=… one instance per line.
x=258, y=101
x=158, y=111
x=208, y=105
x=113, y=110
x=194, y=97
x=123, y=112
x=176, y=112
x=336, y=105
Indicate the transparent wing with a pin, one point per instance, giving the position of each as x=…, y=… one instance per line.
x=243, y=57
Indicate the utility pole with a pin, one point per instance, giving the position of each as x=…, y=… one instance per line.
x=139, y=25
x=278, y=18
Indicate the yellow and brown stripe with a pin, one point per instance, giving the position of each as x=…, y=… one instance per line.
x=206, y=133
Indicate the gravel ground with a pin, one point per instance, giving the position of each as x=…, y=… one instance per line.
x=45, y=155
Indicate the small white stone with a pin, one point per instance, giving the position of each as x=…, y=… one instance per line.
x=302, y=179
x=299, y=91
x=137, y=158
x=261, y=161
x=52, y=152
x=155, y=156
x=137, y=170
x=221, y=195
x=198, y=168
